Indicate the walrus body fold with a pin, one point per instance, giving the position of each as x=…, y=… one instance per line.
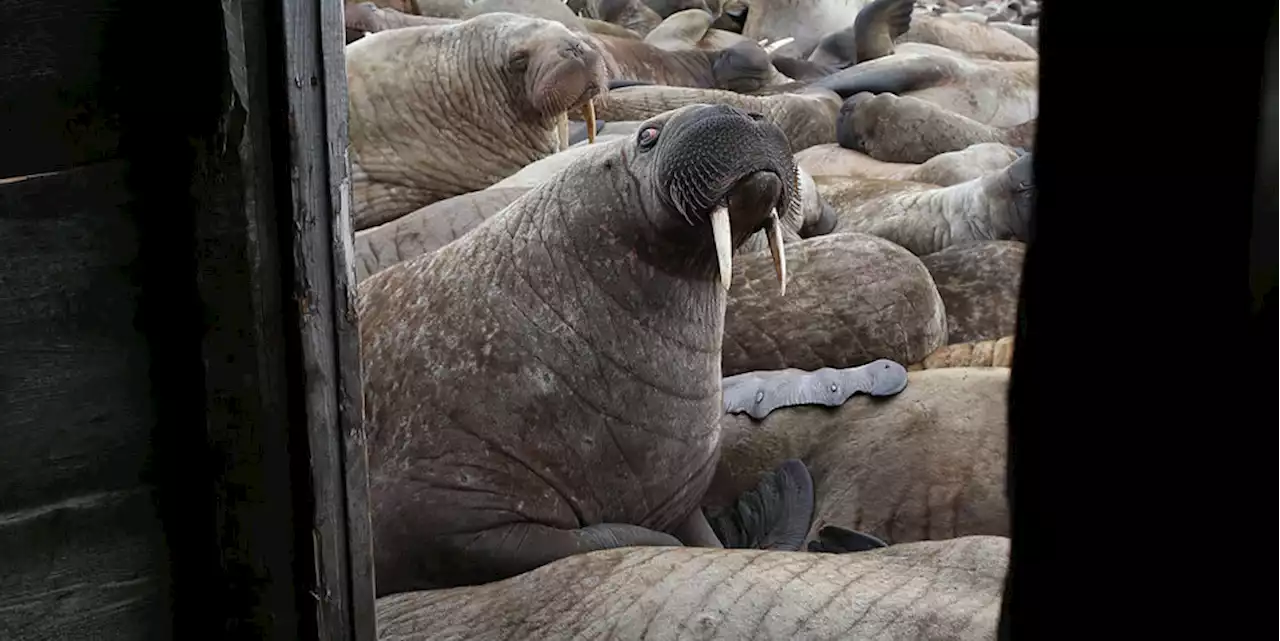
x=595, y=305
x=934, y=589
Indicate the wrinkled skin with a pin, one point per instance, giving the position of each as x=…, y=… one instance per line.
x=870, y=36
x=988, y=353
x=910, y=130
x=808, y=118
x=805, y=20
x=926, y=219
x=742, y=68
x=427, y=229
x=925, y=464
x=976, y=40
x=928, y=590
x=490, y=89
x=432, y=227
x=1025, y=33
x=851, y=299
x=366, y=17
x=574, y=301
x=979, y=284
x=947, y=169
x=997, y=94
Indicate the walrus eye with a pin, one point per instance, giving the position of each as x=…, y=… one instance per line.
x=647, y=138
x=519, y=61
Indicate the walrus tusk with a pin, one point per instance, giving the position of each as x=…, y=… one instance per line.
x=589, y=115
x=724, y=246
x=779, y=254
x=562, y=131
x=774, y=46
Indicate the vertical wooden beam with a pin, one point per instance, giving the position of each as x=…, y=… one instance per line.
x=315, y=118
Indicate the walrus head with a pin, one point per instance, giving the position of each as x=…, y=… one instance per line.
x=719, y=174
x=743, y=68
x=548, y=68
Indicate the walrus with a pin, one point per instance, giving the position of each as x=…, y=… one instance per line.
x=633, y=15
x=997, y=94
x=426, y=230
x=871, y=35
x=910, y=130
x=493, y=89
x=554, y=10
x=983, y=41
x=930, y=589
x=807, y=22
x=979, y=284
x=363, y=18
x=808, y=118
x=856, y=298
x=595, y=302
x=1026, y=33
x=926, y=218
x=946, y=169
x=988, y=353
x=743, y=67
x=927, y=463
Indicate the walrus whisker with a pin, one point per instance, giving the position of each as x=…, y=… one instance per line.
x=777, y=251
x=724, y=245
x=562, y=130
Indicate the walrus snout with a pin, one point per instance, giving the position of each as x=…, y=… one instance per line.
x=568, y=73
x=847, y=135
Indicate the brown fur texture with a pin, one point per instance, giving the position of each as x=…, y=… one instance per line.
x=904, y=129
x=851, y=298
x=925, y=218
x=944, y=170
x=979, y=284
x=427, y=229
x=989, y=353
x=590, y=439
x=807, y=118
x=423, y=99
x=973, y=39
x=932, y=589
x=926, y=464
x=997, y=94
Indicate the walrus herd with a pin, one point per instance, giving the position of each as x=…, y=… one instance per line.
x=689, y=319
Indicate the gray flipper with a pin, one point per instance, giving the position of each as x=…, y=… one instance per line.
x=888, y=75
x=871, y=36
x=833, y=539
x=775, y=515
x=759, y=393
x=803, y=70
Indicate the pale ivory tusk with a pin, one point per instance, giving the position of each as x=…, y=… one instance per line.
x=724, y=245
x=562, y=131
x=589, y=114
x=778, y=252
x=774, y=46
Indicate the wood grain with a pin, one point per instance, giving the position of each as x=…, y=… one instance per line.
x=82, y=551
x=52, y=55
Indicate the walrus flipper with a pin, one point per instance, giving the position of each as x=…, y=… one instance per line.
x=870, y=36
x=775, y=515
x=759, y=393
x=833, y=539
x=896, y=75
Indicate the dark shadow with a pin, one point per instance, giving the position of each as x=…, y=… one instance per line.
x=1142, y=381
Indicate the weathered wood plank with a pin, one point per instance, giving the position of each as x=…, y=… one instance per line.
x=74, y=383
x=91, y=567
x=51, y=58
x=323, y=276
